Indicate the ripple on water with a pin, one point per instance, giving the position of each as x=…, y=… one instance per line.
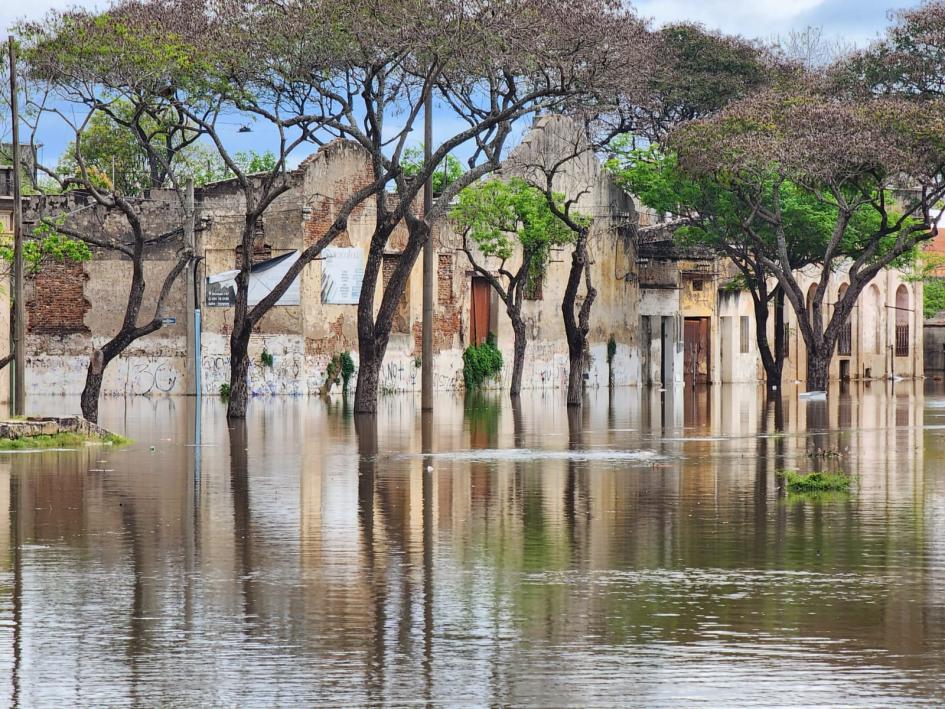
x=530, y=454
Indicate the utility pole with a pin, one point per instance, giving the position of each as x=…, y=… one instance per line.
x=193, y=360
x=426, y=356
x=19, y=306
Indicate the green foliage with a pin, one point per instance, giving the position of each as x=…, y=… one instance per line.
x=47, y=244
x=332, y=372
x=716, y=214
x=498, y=214
x=346, y=364
x=450, y=170
x=265, y=359
x=225, y=391
x=340, y=369
x=611, y=349
x=481, y=362
x=704, y=71
x=115, y=439
x=115, y=159
x=205, y=165
x=815, y=482
x=934, y=297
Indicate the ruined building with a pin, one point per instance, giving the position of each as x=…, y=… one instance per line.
x=666, y=309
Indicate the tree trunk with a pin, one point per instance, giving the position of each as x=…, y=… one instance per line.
x=518, y=356
x=773, y=362
x=576, y=326
x=242, y=326
x=93, y=386
x=239, y=368
x=575, y=380
x=369, y=377
x=818, y=364
x=374, y=332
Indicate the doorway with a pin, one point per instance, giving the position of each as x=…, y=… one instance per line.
x=696, y=355
x=479, y=310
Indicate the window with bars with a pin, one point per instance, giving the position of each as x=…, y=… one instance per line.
x=744, y=331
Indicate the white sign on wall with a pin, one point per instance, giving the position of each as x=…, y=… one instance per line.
x=264, y=276
x=342, y=274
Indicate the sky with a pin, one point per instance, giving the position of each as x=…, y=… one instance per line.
x=850, y=21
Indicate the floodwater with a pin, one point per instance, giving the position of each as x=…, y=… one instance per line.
x=639, y=553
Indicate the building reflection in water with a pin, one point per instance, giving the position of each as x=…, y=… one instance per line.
x=636, y=549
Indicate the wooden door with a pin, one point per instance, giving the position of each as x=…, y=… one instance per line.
x=696, y=355
x=479, y=310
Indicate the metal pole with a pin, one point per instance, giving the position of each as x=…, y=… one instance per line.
x=19, y=306
x=426, y=357
x=192, y=365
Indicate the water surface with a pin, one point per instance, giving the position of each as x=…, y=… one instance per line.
x=637, y=553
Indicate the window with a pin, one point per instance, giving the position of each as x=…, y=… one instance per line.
x=697, y=284
x=902, y=321
x=744, y=333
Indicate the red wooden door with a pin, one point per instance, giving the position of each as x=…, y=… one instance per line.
x=696, y=354
x=479, y=311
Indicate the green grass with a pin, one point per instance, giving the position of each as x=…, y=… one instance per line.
x=59, y=440
x=815, y=482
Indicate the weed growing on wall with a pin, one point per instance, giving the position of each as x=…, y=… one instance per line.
x=346, y=363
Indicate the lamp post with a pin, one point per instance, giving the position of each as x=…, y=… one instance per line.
x=19, y=306
x=426, y=356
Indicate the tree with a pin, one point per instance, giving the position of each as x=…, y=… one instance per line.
x=694, y=73
x=489, y=65
x=874, y=165
x=446, y=175
x=282, y=64
x=555, y=144
x=75, y=80
x=499, y=219
x=907, y=62
x=707, y=212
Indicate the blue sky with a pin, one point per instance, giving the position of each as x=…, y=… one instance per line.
x=853, y=21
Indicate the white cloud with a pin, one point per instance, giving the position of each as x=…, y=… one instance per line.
x=747, y=17
x=12, y=11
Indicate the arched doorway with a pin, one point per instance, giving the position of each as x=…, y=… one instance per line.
x=871, y=335
x=903, y=309
x=845, y=341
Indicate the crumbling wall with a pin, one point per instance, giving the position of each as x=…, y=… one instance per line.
x=72, y=307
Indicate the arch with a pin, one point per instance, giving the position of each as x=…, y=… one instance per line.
x=845, y=341
x=902, y=320
x=810, y=303
x=872, y=336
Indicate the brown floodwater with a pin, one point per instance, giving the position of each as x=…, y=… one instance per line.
x=640, y=553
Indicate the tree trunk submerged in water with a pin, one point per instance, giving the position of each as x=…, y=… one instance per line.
x=773, y=362
x=818, y=366
x=93, y=386
x=576, y=326
x=518, y=356
x=369, y=376
x=239, y=369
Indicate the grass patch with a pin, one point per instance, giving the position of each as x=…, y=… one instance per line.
x=59, y=440
x=815, y=482
x=114, y=439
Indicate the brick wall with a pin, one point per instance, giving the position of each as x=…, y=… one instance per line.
x=58, y=305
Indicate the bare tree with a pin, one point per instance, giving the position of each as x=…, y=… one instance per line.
x=68, y=88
